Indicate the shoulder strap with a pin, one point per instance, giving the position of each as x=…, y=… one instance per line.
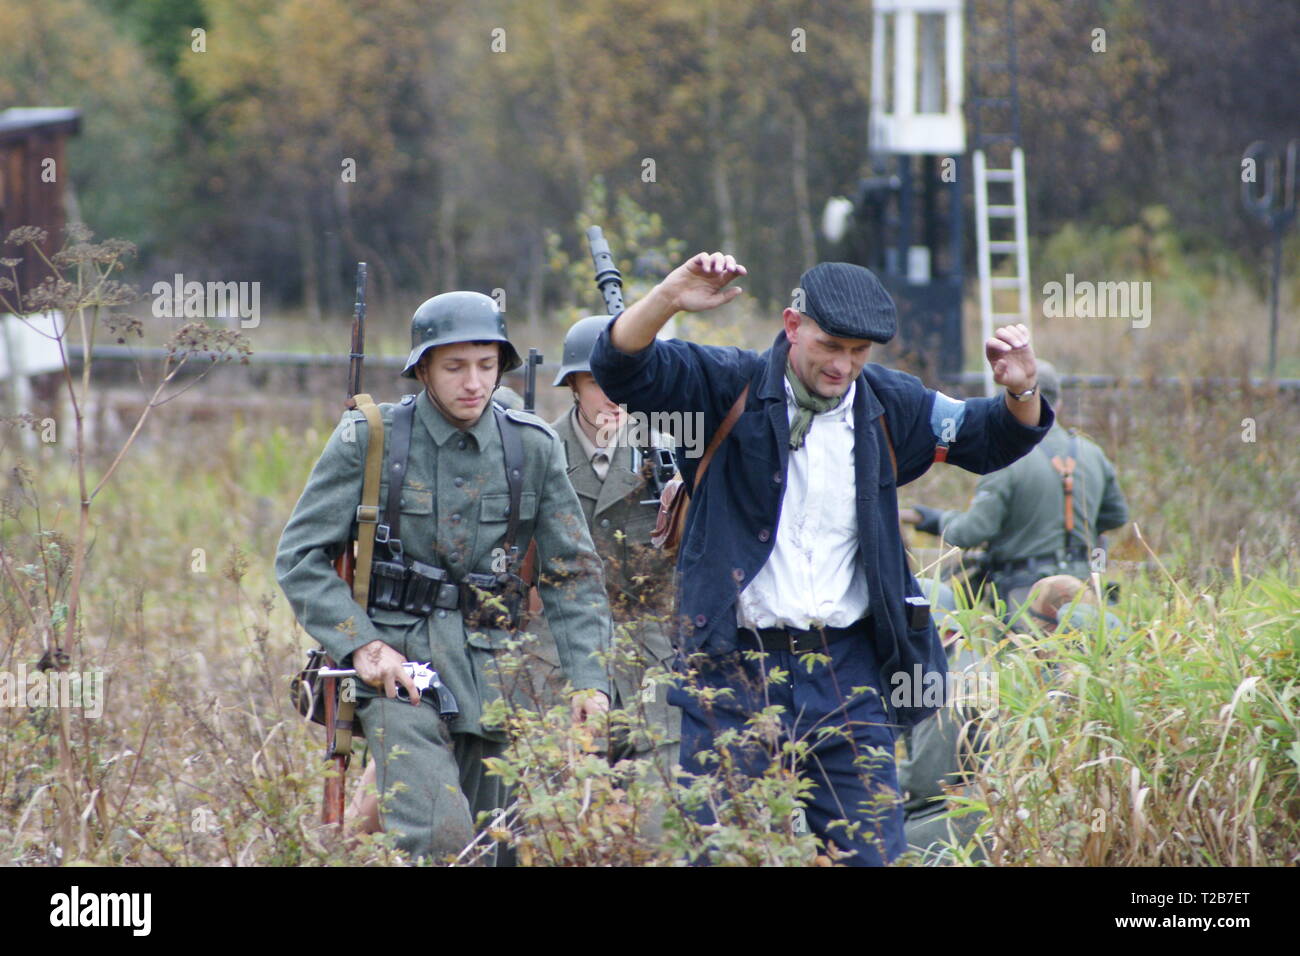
x=889, y=443
x=512, y=448
x=368, y=511
x=398, y=455
x=1065, y=468
x=339, y=736
x=723, y=430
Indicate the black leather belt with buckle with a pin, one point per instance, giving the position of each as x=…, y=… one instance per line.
x=1051, y=560
x=800, y=641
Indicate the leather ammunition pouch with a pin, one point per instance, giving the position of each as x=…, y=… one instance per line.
x=412, y=587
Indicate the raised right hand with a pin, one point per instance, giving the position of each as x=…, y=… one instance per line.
x=695, y=285
x=698, y=283
x=381, y=667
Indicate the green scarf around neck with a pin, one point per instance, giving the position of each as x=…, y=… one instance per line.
x=809, y=405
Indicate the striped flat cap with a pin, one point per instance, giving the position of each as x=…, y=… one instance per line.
x=848, y=301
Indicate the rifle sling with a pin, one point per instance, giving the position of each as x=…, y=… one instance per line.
x=340, y=735
x=368, y=513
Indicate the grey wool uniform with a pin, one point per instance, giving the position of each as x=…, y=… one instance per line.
x=941, y=751
x=638, y=579
x=454, y=503
x=1019, y=512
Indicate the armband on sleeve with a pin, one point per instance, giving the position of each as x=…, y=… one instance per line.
x=945, y=422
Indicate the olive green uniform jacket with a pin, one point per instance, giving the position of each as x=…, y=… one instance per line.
x=1020, y=510
x=454, y=506
x=638, y=576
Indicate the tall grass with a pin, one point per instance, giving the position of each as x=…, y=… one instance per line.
x=1174, y=741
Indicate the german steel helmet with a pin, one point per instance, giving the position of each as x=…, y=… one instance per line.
x=578, y=343
x=458, y=317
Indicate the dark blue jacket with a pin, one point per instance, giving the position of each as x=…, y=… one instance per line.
x=731, y=525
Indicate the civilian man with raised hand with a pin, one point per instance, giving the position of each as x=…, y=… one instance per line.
x=792, y=543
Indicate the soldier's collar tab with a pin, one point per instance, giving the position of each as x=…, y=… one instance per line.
x=442, y=430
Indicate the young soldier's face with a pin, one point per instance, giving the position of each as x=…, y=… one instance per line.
x=826, y=364
x=595, y=405
x=461, y=377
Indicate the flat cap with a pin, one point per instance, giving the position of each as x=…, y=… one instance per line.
x=848, y=301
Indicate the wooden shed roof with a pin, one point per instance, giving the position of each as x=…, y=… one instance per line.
x=20, y=121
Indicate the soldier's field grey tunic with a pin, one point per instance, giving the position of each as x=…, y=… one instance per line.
x=941, y=750
x=454, y=505
x=1020, y=512
x=638, y=578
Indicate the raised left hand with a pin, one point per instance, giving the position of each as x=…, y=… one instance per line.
x=1012, y=358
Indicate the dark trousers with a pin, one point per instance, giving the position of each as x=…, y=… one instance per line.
x=853, y=771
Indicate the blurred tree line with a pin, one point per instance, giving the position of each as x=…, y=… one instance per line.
x=281, y=140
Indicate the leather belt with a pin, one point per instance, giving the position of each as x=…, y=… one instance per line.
x=1040, y=560
x=801, y=641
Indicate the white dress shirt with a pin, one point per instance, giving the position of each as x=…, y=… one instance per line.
x=813, y=577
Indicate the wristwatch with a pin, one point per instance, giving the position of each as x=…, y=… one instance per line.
x=1026, y=395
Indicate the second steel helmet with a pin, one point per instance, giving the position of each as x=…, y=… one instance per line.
x=1049, y=382
x=578, y=344
x=458, y=317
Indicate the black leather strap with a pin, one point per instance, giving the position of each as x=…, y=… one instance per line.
x=399, y=451
x=512, y=447
x=1074, y=553
x=800, y=641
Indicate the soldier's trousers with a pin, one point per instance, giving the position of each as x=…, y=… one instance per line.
x=432, y=783
x=853, y=773
x=926, y=832
x=647, y=701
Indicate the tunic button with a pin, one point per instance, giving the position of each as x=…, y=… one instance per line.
x=604, y=522
x=454, y=557
x=461, y=444
x=459, y=481
x=764, y=535
x=701, y=620
x=776, y=477
x=441, y=613
x=738, y=573
x=455, y=519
